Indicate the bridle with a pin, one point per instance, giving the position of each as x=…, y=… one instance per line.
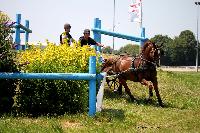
x=154, y=61
x=151, y=62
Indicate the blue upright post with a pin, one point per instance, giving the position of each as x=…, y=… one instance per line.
x=92, y=87
x=142, y=36
x=17, y=32
x=98, y=39
x=97, y=36
x=26, y=33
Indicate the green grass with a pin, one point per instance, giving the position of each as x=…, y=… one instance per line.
x=180, y=92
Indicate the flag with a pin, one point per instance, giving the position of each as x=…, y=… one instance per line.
x=135, y=10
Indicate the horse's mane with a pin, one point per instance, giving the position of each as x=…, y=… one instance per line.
x=113, y=59
x=146, y=44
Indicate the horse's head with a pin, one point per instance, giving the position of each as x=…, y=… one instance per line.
x=107, y=63
x=151, y=52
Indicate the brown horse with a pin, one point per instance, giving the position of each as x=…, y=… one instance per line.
x=139, y=69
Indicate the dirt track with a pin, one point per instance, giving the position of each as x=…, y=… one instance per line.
x=181, y=68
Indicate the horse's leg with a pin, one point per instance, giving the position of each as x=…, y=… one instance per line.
x=155, y=84
x=127, y=90
x=150, y=94
x=149, y=84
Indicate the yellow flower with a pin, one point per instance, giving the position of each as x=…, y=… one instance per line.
x=57, y=58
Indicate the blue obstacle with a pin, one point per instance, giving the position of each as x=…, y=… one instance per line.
x=92, y=77
x=19, y=28
x=97, y=31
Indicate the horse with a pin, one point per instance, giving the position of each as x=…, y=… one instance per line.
x=141, y=68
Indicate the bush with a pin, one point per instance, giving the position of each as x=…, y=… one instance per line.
x=7, y=55
x=41, y=97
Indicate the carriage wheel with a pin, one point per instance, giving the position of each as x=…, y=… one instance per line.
x=113, y=83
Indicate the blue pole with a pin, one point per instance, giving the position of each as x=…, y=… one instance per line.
x=96, y=21
x=17, y=32
x=92, y=87
x=97, y=36
x=26, y=33
x=51, y=76
x=119, y=35
x=142, y=36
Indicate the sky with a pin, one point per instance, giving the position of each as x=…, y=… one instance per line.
x=47, y=17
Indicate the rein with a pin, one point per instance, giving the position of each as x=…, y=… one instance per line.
x=152, y=62
x=142, y=66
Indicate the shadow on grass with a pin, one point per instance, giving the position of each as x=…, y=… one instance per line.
x=109, y=94
x=153, y=102
x=109, y=115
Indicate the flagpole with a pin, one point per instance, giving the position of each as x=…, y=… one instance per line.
x=113, y=25
x=136, y=8
x=142, y=30
x=141, y=15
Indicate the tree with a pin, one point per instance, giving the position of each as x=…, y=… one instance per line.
x=188, y=41
x=7, y=86
x=107, y=50
x=167, y=43
x=178, y=51
x=184, y=49
x=130, y=49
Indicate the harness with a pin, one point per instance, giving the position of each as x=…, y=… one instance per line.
x=143, y=66
x=147, y=65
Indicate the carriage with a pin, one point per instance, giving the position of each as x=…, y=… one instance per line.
x=138, y=69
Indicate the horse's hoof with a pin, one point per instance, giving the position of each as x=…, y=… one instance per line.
x=120, y=92
x=132, y=99
x=151, y=86
x=117, y=91
x=161, y=105
x=149, y=100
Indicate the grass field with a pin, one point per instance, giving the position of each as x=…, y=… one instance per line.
x=180, y=92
